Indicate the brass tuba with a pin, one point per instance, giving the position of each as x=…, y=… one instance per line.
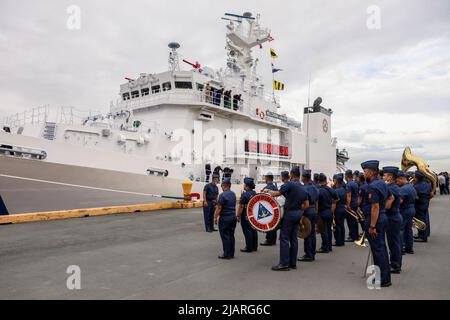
x=419, y=224
x=409, y=160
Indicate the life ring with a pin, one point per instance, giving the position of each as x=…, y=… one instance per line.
x=262, y=115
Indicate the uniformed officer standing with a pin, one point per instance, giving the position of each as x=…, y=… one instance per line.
x=271, y=236
x=424, y=195
x=296, y=201
x=316, y=179
x=250, y=234
x=226, y=210
x=210, y=195
x=395, y=220
x=408, y=196
x=339, y=212
x=326, y=206
x=310, y=213
x=375, y=219
x=352, y=203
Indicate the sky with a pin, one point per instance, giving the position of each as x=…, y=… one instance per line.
x=382, y=66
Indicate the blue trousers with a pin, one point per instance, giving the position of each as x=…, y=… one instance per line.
x=394, y=239
x=378, y=247
x=271, y=237
x=3, y=210
x=422, y=214
x=250, y=234
x=227, y=225
x=208, y=215
x=406, y=228
x=309, y=243
x=326, y=234
x=352, y=225
x=288, y=238
x=339, y=232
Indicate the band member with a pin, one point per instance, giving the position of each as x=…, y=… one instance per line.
x=210, y=195
x=375, y=219
x=395, y=220
x=356, y=175
x=226, y=210
x=250, y=234
x=362, y=185
x=424, y=195
x=408, y=196
x=311, y=214
x=352, y=203
x=326, y=206
x=296, y=201
x=339, y=212
x=316, y=180
x=271, y=236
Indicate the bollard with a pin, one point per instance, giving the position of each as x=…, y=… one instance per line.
x=187, y=187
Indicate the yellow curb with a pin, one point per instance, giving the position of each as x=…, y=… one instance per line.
x=78, y=213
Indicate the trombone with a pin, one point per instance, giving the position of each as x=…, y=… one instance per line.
x=358, y=215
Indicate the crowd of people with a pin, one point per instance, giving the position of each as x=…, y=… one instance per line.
x=386, y=201
x=215, y=96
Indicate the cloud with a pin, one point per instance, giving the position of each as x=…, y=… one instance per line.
x=388, y=88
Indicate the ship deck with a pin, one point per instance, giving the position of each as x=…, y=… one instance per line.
x=166, y=255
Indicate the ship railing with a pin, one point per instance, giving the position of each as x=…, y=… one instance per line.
x=35, y=115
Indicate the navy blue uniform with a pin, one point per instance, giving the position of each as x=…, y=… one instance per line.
x=339, y=216
x=310, y=241
x=377, y=192
x=393, y=231
x=408, y=195
x=423, y=189
x=295, y=195
x=352, y=223
x=212, y=191
x=326, y=198
x=3, y=210
x=271, y=236
x=250, y=234
x=227, y=221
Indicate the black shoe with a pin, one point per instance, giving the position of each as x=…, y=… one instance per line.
x=214, y=230
x=293, y=267
x=396, y=270
x=338, y=245
x=209, y=231
x=349, y=240
x=246, y=250
x=305, y=259
x=280, y=268
x=265, y=243
x=225, y=257
x=409, y=251
x=386, y=284
x=420, y=240
x=322, y=251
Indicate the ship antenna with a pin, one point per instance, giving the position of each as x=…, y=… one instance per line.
x=174, y=64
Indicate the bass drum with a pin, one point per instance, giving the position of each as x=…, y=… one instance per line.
x=264, y=212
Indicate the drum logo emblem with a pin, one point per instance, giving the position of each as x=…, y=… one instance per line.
x=263, y=212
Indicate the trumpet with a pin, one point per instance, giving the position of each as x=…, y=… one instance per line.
x=358, y=214
x=419, y=224
x=361, y=242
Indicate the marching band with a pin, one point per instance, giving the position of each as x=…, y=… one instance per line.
x=383, y=201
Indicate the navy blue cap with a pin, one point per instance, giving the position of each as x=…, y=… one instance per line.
x=419, y=174
x=348, y=172
x=356, y=172
x=215, y=176
x=390, y=169
x=370, y=164
x=316, y=176
x=284, y=174
x=306, y=173
x=339, y=177
x=295, y=170
x=226, y=181
x=249, y=182
x=361, y=175
x=322, y=177
x=400, y=173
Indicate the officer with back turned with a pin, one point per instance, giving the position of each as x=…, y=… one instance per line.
x=408, y=196
x=296, y=201
x=210, y=195
x=352, y=203
x=326, y=206
x=339, y=212
x=395, y=220
x=225, y=214
x=250, y=234
x=424, y=195
x=375, y=222
x=311, y=214
x=271, y=236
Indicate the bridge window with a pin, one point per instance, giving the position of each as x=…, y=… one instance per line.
x=145, y=92
x=166, y=86
x=183, y=84
x=126, y=96
x=156, y=89
x=135, y=94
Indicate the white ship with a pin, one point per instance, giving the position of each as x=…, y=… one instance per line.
x=163, y=129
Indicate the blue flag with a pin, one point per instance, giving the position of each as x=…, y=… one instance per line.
x=263, y=212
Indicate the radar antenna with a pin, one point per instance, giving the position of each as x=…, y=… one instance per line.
x=174, y=64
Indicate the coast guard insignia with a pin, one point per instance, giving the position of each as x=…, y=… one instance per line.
x=263, y=212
